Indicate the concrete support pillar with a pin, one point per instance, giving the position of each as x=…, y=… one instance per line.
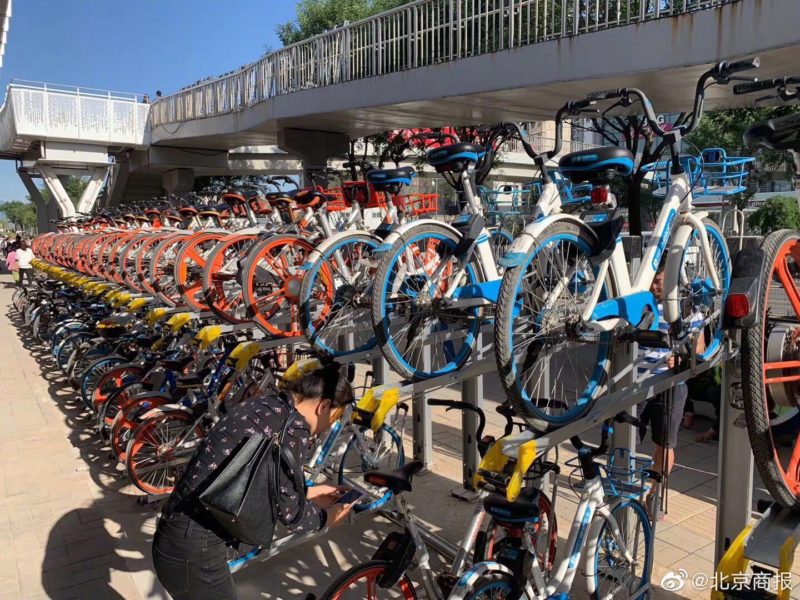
x=43, y=207
x=178, y=181
x=89, y=196
x=57, y=192
x=313, y=148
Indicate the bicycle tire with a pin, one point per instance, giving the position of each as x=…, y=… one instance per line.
x=641, y=516
x=510, y=307
x=372, y=570
x=454, y=351
x=782, y=486
x=320, y=293
x=494, y=585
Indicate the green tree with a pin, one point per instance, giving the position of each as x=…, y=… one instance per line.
x=22, y=215
x=779, y=212
x=318, y=16
x=74, y=187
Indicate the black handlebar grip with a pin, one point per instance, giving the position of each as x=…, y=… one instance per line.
x=606, y=95
x=740, y=65
x=755, y=86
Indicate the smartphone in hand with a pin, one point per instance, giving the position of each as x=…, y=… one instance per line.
x=349, y=497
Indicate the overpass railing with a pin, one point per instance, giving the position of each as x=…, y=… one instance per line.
x=419, y=34
x=41, y=111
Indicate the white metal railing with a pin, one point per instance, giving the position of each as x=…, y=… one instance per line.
x=419, y=34
x=543, y=144
x=40, y=111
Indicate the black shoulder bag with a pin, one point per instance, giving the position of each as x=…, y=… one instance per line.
x=244, y=496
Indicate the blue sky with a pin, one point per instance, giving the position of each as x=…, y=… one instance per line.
x=133, y=45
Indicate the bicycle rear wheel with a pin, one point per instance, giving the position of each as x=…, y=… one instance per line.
x=771, y=368
x=550, y=374
x=361, y=582
x=422, y=332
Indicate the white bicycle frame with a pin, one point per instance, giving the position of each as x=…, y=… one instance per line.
x=673, y=228
x=593, y=510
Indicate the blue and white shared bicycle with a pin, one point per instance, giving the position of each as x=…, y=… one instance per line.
x=436, y=283
x=568, y=295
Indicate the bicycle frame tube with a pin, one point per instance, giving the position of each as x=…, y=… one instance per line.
x=591, y=498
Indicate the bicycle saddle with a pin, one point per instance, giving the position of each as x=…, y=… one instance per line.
x=311, y=198
x=525, y=508
x=239, y=196
x=398, y=480
x=780, y=133
x=454, y=157
x=382, y=179
x=279, y=199
x=597, y=164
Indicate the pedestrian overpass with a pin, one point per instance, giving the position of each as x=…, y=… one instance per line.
x=429, y=63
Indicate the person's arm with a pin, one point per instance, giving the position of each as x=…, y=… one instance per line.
x=314, y=518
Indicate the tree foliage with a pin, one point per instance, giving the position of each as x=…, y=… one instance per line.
x=22, y=215
x=318, y=16
x=779, y=212
x=74, y=187
x=725, y=129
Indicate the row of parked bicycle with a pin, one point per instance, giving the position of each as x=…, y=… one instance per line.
x=556, y=299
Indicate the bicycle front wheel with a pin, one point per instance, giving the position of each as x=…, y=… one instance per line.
x=494, y=586
x=612, y=574
x=381, y=451
x=771, y=369
x=551, y=375
x=422, y=330
x=361, y=583
x=336, y=295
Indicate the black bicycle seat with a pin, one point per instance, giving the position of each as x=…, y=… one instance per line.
x=525, y=508
x=596, y=164
x=454, y=157
x=398, y=480
x=780, y=133
x=311, y=198
x=386, y=177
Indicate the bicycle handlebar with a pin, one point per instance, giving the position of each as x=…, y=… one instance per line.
x=725, y=69
x=759, y=86
x=605, y=434
x=461, y=405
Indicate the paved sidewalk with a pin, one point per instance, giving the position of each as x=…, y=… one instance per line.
x=70, y=527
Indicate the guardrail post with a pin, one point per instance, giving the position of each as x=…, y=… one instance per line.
x=577, y=18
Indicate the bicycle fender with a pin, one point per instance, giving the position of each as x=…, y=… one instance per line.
x=163, y=409
x=401, y=231
x=464, y=585
x=398, y=549
x=522, y=244
x=323, y=247
x=677, y=245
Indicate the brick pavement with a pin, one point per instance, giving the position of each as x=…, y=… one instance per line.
x=71, y=528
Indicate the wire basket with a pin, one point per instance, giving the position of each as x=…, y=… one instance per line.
x=339, y=201
x=417, y=204
x=624, y=474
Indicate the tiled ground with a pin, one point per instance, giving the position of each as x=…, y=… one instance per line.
x=71, y=528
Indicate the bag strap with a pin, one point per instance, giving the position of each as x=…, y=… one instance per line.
x=284, y=456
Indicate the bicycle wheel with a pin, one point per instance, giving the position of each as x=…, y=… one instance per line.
x=420, y=330
x=500, y=240
x=494, y=585
x=699, y=303
x=771, y=368
x=221, y=281
x=112, y=380
x=336, y=295
x=614, y=575
x=155, y=459
x=189, y=264
x=361, y=583
x=551, y=376
x=271, y=283
x=382, y=450
x=129, y=417
x=110, y=408
x=93, y=375
x=543, y=536
x=65, y=348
